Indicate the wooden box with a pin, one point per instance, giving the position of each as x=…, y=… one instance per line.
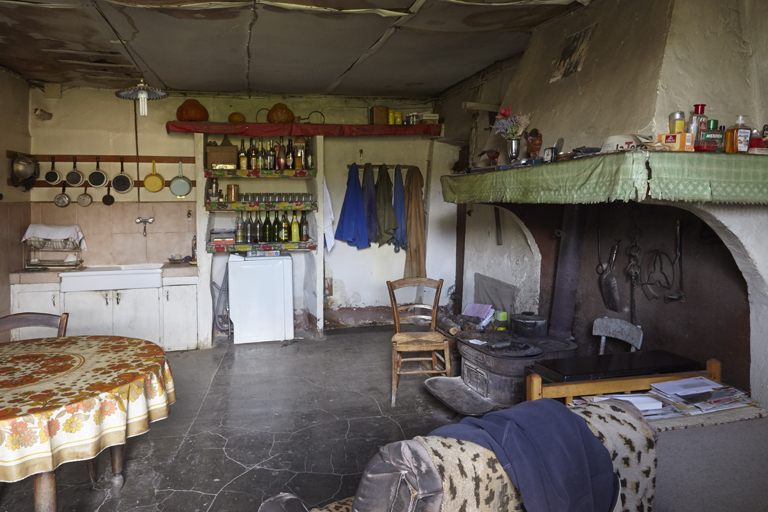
x=379, y=115
x=221, y=155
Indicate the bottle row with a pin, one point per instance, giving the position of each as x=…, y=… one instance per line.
x=709, y=136
x=250, y=230
x=296, y=155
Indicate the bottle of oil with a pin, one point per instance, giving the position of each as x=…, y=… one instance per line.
x=737, y=137
x=295, y=235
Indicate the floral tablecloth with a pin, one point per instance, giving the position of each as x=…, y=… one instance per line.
x=65, y=399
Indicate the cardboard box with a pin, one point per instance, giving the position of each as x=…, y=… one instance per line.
x=379, y=115
x=221, y=155
x=429, y=121
x=677, y=141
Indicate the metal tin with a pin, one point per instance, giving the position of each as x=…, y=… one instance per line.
x=398, y=118
x=391, y=117
x=677, y=122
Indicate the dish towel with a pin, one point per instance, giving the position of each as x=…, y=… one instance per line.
x=351, y=227
x=369, y=201
x=385, y=214
x=71, y=232
x=327, y=217
x=400, y=240
x=416, y=252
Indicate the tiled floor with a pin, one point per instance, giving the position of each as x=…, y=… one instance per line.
x=254, y=420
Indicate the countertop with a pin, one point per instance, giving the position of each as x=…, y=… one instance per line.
x=52, y=276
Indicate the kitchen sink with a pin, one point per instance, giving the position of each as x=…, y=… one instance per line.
x=113, y=277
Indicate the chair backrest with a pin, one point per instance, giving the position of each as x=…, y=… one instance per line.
x=35, y=320
x=618, y=329
x=413, y=310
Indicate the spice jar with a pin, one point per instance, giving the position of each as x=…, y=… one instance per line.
x=233, y=193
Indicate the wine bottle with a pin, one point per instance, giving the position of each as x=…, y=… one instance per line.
x=289, y=156
x=260, y=156
x=267, y=229
x=295, y=234
x=252, y=163
x=248, y=228
x=264, y=158
x=309, y=155
x=258, y=230
x=242, y=157
x=271, y=157
x=285, y=229
x=304, y=227
x=280, y=159
x=239, y=228
x=275, y=228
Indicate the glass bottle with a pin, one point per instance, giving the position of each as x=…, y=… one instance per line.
x=309, y=155
x=275, y=229
x=295, y=234
x=271, y=156
x=248, y=228
x=258, y=230
x=239, y=228
x=252, y=164
x=737, y=137
x=289, y=156
x=242, y=157
x=285, y=228
x=263, y=155
x=280, y=158
x=304, y=227
x=260, y=156
x=698, y=121
x=267, y=233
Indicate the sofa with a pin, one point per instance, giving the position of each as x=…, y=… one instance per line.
x=441, y=474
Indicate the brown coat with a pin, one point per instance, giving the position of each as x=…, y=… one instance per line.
x=416, y=252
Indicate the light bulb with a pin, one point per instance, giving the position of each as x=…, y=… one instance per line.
x=143, y=95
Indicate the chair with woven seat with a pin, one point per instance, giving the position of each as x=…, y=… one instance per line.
x=425, y=341
x=20, y=320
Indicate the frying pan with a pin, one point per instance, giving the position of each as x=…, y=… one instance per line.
x=74, y=177
x=53, y=176
x=154, y=182
x=122, y=182
x=98, y=178
x=180, y=185
x=108, y=199
x=85, y=198
x=62, y=200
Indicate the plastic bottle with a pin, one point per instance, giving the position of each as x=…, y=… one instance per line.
x=737, y=137
x=698, y=121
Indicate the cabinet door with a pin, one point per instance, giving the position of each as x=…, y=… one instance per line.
x=179, y=317
x=89, y=313
x=137, y=314
x=35, y=298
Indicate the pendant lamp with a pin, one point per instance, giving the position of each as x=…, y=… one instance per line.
x=143, y=93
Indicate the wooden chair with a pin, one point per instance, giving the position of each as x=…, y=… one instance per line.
x=618, y=329
x=429, y=341
x=20, y=320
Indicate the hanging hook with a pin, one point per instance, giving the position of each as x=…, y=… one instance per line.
x=361, y=156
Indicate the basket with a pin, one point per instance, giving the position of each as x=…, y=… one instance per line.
x=48, y=244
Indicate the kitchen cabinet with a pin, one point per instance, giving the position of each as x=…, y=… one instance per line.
x=179, y=317
x=34, y=298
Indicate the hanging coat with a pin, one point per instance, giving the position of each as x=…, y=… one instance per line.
x=385, y=214
x=369, y=201
x=400, y=239
x=351, y=226
x=416, y=252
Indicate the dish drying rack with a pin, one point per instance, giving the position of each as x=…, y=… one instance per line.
x=41, y=252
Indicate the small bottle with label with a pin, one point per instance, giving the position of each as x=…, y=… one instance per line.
x=304, y=227
x=710, y=140
x=737, y=137
x=698, y=121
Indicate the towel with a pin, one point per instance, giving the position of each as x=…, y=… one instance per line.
x=400, y=239
x=385, y=214
x=71, y=232
x=351, y=227
x=369, y=201
x=416, y=252
x=327, y=217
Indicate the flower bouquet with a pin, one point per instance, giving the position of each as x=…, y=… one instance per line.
x=511, y=128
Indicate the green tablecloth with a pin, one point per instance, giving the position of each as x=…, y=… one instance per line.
x=620, y=177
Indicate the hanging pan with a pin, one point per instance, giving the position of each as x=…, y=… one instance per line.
x=122, y=183
x=62, y=200
x=154, y=182
x=108, y=199
x=74, y=177
x=53, y=176
x=180, y=185
x=98, y=178
x=85, y=198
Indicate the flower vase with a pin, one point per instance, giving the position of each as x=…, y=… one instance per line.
x=513, y=149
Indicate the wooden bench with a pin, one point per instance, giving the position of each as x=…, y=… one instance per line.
x=536, y=388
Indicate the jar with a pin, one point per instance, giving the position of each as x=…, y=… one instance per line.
x=398, y=118
x=233, y=193
x=391, y=118
x=677, y=122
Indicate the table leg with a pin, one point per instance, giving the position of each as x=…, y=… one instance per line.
x=116, y=453
x=45, y=492
x=91, y=471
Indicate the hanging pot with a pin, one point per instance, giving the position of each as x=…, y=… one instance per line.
x=154, y=182
x=98, y=178
x=53, y=176
x=122, y=183
x=74, y=177
x=108, y=199
x=62, y=200
x=85, y=198
x=180, y=185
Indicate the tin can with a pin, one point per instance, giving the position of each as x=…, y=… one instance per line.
x=677, y=122
x=391, y=118
x=398, y=118
x=233, y=193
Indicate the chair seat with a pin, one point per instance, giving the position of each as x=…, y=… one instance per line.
x=434, y=339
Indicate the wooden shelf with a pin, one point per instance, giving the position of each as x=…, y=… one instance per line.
x=128, y=159
x=272, y=246
x=261, y=173
x=293, y=129
x=259, y=207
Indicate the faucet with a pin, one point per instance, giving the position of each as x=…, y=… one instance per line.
x=145, y=221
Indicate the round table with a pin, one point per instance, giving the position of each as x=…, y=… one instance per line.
x=66, y=399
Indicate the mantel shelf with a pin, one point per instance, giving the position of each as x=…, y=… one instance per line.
x=294, y=129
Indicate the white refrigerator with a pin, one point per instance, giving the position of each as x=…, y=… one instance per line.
x=261, y=298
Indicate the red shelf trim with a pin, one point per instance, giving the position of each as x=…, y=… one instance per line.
x=293, y=129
